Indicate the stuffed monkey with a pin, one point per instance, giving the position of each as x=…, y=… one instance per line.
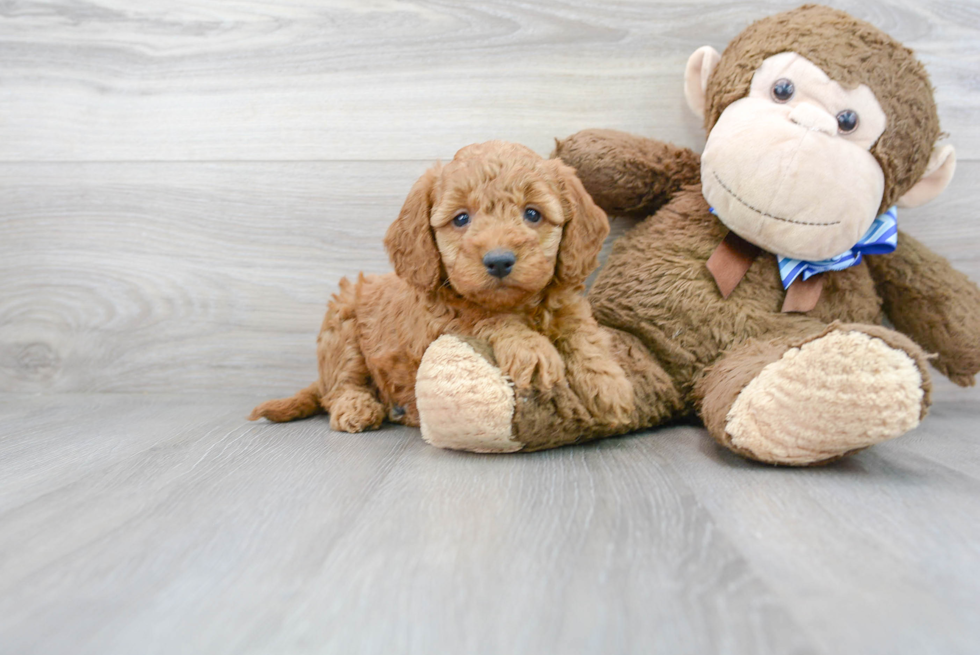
x=753, y=294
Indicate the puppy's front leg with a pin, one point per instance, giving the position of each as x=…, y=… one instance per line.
x=524, y=355
x=597, y=379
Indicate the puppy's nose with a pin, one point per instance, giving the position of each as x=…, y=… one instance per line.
x=499, y=262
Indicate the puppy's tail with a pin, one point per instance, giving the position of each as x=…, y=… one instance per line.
x=304, y=404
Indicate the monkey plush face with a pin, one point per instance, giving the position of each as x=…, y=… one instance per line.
x=817, y=123
x=789, y=164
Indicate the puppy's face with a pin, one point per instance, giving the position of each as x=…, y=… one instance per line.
x=498, y=227
x=498, y=224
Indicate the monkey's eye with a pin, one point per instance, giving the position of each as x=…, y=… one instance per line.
x=783, y=90
x=461, y=220
x=847, y=121
x=532, y=215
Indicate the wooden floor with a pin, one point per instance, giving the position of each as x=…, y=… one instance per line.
x=182, y=185
x=165, y=524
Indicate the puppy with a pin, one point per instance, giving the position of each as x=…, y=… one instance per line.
x=495, y=245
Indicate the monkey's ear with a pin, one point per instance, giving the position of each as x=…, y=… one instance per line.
x=939, y=172
x=699, y=69
x=410, y=242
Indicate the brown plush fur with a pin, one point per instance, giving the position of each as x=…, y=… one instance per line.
x=686, y=348
x=655, y=291
x=539, y=323
x=934, y=304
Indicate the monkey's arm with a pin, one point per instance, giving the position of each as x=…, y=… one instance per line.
x=628, y=175
x=933, y=303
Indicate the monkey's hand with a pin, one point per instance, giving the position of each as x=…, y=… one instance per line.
x=933, y=303
x=628, y=175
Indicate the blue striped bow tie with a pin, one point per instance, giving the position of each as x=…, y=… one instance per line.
x=880, y=239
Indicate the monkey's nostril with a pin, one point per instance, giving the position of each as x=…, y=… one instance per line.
x=499, y=262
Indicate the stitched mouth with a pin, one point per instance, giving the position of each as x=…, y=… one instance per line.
x=762, y=213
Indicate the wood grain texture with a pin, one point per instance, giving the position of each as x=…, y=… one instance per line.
x=177, y=277
x=161, y=524
x=183, y=186
x=889, y=537
x=117, y=277
x=347, y=79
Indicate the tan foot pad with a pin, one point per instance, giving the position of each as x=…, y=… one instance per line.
x=464, y=402
x=838, y=393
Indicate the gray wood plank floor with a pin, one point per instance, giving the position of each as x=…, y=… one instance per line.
x=183, y=186
x=165, y=524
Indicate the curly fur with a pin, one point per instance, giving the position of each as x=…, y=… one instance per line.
x=541, y=327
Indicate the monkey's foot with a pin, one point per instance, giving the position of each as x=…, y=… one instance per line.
x=464, y=401
x=840, y=392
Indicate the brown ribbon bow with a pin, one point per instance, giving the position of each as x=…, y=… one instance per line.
x=731, y=260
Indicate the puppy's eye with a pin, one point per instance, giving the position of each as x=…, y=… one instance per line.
x=461, y=220
x=847, y=121
x=532, y=215
x=783, y=90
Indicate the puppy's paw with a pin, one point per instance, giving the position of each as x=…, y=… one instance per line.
x=607, y=394
x=532, y=361
x=356, y=410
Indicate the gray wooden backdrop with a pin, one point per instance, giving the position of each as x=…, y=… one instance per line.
x=183, y=183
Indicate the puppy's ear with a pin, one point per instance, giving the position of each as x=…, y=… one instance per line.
x=410, y=242
x=586, y=227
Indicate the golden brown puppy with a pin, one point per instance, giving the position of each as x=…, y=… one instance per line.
x=496, y=245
